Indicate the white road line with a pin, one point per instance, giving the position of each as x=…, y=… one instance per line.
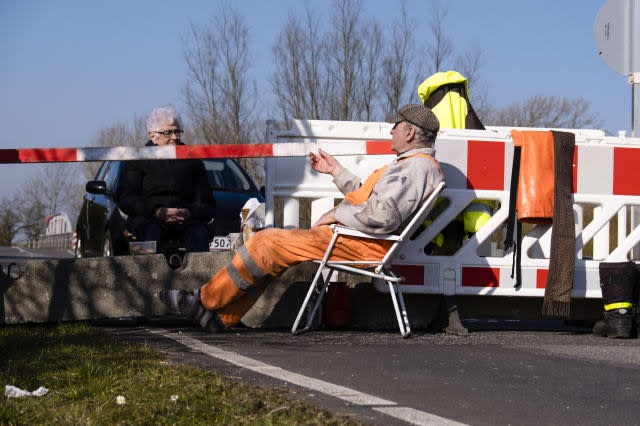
x=415, y=417
x=24, y=251
x=351, y=396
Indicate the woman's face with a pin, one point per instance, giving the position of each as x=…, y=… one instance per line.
x=167, y=134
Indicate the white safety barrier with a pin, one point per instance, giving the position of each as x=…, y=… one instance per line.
x=58, y=234
x=477, y=165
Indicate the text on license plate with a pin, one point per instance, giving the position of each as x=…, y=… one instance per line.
x=220, y=243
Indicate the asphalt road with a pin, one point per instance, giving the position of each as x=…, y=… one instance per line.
x=21, y=256
x=504, y=372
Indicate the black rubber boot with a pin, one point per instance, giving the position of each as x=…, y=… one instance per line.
x=617, y=323
x=189, y=304
x=617, y=282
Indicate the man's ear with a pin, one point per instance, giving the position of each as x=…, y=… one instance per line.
x=411, y=131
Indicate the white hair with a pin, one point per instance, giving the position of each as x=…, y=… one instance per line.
x=162, y=116
x=423, y=137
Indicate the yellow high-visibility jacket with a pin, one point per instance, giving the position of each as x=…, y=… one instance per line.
x=447, y=95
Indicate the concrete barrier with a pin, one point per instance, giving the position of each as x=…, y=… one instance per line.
x=106, y=287
x=125, y=286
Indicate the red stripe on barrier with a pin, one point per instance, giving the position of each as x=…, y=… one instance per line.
x=38, y=155
x=485, y=165
x=541, y=278
x=225, y=151
x=413, y=274
x=480, y=277
x=379, y=147
x=626, y=171
x=575, y=170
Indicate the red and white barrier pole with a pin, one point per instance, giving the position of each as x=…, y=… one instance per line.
x=121, y=153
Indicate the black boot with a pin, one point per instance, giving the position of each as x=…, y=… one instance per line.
x=617, y=281
x=189, y=304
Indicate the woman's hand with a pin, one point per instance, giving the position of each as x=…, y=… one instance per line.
x=172, y=214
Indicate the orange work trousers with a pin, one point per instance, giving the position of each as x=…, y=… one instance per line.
x=237, y=286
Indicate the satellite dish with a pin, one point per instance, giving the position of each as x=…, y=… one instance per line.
x=616, y=39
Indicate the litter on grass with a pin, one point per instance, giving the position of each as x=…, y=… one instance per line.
x=174, y=398
x=15, y=392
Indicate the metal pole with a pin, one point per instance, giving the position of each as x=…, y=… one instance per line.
x=635, y=131
x=634, y=79
x=635, y=106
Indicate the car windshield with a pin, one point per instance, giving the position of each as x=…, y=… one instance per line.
x=224, y=174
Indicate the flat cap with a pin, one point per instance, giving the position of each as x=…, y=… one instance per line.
x=418, y=115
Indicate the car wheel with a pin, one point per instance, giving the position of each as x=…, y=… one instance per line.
x=107, y=247
x=79, y=254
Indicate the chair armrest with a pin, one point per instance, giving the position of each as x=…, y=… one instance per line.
x=344, y=230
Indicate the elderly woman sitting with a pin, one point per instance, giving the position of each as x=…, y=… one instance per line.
x=167, y=197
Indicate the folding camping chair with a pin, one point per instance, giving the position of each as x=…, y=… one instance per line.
x=377, y=269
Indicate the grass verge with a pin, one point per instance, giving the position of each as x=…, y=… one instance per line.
x=86, y=370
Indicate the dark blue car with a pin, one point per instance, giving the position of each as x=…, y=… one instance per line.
x=101, y=226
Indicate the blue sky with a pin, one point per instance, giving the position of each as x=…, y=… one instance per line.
x=72, y=67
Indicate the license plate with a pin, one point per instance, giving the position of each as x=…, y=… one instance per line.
x=220, y=243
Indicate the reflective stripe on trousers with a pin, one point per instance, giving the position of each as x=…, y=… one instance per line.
x=235, y=288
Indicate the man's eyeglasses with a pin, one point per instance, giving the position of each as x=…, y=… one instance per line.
x=177, y=132
x=396, y=125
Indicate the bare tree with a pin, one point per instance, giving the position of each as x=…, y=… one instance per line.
x=138, y=131
x=368, y=80
x=33, y=213
x=398, y=62
x=331, y=75
x=470, y=64
x=118, y=134
x=219, y=93
x=345, y=49
x=10, y=221
x=299, y=82
x=547, y=111
x=53, y=190
x=440, y=48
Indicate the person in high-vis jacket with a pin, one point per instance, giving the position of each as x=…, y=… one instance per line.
x=447, y=95
x=383, y=204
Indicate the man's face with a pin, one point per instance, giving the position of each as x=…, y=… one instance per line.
x=401, y=137
x=167, y=134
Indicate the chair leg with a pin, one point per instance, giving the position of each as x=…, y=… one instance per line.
x=403, y=318
x=312, y=287
x=316, y=305
x=306, y=300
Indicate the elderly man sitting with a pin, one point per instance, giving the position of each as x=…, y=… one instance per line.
x=163, y=197
x=383, y=204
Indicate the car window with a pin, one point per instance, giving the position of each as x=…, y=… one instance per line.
x=102, y=171
x=111, y=177
x=225, y=174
